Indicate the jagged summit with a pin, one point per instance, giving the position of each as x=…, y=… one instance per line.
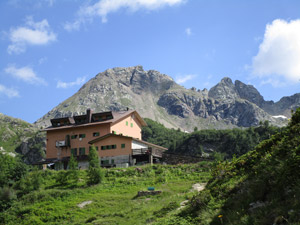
x=223, y=90
x=159, y=97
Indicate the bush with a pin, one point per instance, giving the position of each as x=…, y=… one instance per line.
x=7, y=196
x=11, y=169
x=31, y=182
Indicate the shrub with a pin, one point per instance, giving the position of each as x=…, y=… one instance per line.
x=62, y=177
x=7, y=195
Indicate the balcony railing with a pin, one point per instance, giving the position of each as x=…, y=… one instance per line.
x=60, y=144
x=148, y=151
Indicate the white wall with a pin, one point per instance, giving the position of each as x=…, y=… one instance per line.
x=138, y=145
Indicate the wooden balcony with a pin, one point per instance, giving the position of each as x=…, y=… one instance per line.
x=148, y=151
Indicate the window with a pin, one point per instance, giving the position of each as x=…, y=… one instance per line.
x=96, y=134
x=81, y=135
x=107, y=147
x=126, y=123
x=122, y=145
x=112, y=161
x=108, y=117
x=74, y=136
x=81, y=151
x=131, y=124
x=74, y=151
x=104, y=162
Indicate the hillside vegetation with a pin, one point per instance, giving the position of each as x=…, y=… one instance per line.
x=13, y=132
x=54, y=197
x=260, y=187
x=231, y=142
x=19, y=136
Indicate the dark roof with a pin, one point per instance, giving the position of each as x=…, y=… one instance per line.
x=121, y=136
x=117, y=116
x=106, y=136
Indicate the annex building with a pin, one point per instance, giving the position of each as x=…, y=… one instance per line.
x=117, y=137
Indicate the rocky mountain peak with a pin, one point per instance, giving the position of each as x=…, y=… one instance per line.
x=227, y=81
x=155, y=95
x=225, y=89
x=249, y=92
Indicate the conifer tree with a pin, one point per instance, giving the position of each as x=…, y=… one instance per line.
x=73, y=164
x=73, y=172
x=94, y=172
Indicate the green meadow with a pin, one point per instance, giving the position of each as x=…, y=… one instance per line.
x=113, y=201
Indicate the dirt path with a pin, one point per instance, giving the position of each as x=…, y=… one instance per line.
x=196, y=187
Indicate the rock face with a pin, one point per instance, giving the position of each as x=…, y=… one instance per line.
x=19, y=136
x=33, y=148
x=157, y=96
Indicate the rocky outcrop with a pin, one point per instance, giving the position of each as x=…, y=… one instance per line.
x=157, y=96
x=224, y=91
x=33, y=148
x=249, y=92
x=19, y=136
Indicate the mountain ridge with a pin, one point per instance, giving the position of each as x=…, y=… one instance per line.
x=157, y=96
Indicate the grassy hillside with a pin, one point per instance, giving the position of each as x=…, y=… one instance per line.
x=114, y=201
x=260, y=187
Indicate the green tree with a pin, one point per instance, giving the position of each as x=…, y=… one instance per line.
x=73, y=173
x=12, y=169
x=94, y=172
x=73, y=164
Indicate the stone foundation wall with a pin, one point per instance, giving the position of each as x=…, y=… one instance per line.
x=177, y=159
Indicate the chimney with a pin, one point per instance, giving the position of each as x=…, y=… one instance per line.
x=127, y=108
x=89, y=115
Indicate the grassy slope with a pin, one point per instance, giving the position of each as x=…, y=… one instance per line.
x=114, y=201
x=260, y=187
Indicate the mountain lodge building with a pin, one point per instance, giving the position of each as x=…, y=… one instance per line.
x=117, y=137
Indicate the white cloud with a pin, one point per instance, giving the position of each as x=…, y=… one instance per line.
x=78, y=81
x=188, y=31
x=185, y=78
x=9, y=92
x=103, y=7
x=25, y=74
x=33, y=33
x=279, y=53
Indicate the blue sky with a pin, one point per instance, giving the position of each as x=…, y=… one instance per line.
x=50, y=48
